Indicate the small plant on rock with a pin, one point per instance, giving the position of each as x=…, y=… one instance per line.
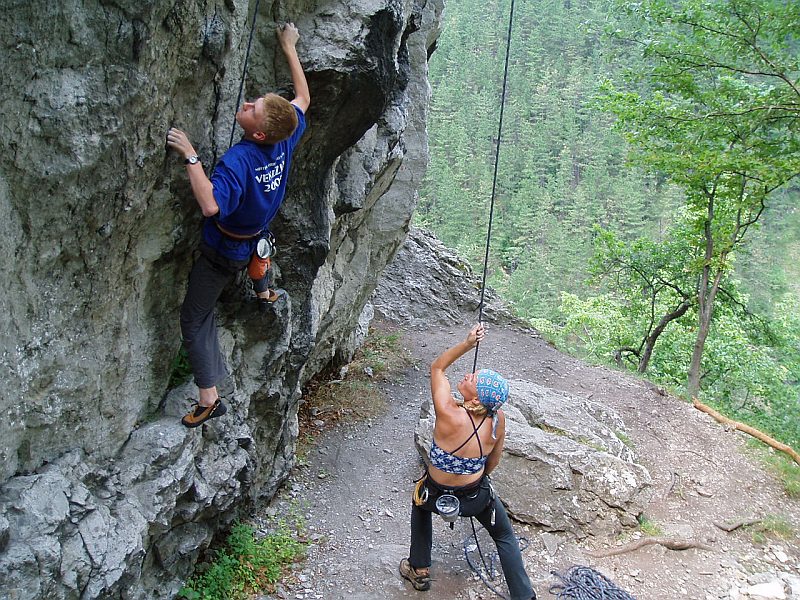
x=648, y=527
x=180, y=371
x=245, y=564
x=623, y=437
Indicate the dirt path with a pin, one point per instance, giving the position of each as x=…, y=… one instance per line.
x=354, y=492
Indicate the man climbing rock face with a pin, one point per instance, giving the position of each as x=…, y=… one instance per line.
x=239, y=201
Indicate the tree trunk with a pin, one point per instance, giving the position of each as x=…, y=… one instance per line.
x=706, y=312
x=705, y=304
x=650, y=343
x=693, y=380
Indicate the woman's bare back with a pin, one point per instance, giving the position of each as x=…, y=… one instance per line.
x=451, y=432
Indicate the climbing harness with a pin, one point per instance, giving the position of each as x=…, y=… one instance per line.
x=584, y=583
x=244, y=72
x=494, y=177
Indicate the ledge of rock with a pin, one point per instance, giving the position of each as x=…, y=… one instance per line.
x=429, y=283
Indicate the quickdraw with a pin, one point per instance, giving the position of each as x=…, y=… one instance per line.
x=420, y=493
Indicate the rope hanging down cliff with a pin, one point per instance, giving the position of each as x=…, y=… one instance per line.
x=487, y=573
x=494, y=176
x=580, y=583
x=244, y=72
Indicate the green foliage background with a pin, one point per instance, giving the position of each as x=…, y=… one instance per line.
x=563, y=171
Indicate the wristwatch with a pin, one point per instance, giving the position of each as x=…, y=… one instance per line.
x=192, y=160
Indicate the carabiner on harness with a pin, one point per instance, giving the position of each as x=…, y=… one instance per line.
x=420, y=493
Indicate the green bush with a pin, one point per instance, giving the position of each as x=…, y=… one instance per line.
x=245, y=565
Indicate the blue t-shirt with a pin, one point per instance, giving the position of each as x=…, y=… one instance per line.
x=249, y=186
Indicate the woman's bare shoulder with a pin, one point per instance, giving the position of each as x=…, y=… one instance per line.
x=451, y=415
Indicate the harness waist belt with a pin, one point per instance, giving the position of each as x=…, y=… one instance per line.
x=237, y=236
x=458, y=490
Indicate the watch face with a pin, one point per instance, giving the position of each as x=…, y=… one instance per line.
x=192, y=160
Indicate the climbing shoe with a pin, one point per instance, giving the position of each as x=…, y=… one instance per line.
x=420, y=581
x=264, y=303
x=201, y=414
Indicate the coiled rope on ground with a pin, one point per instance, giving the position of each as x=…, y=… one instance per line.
x=584, y=583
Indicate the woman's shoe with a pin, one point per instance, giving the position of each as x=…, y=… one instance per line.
x=420, y=581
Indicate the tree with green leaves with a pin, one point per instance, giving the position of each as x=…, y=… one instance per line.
x=719, y=115
x=652, y=277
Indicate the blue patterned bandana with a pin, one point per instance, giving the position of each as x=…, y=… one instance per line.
x=492, y=390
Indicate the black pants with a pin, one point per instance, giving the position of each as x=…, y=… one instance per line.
x=477, y=502
x=210, y=274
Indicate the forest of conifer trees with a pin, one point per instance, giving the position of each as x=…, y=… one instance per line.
x=646, y=212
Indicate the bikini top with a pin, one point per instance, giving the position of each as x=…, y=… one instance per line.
x=456, y=465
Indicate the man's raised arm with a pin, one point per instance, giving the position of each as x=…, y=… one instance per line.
x=288, y=36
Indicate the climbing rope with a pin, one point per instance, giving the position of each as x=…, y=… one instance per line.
x=579, y=583
x=487, y=572
x=494, y=177
x=244, y=73
x=583, y=583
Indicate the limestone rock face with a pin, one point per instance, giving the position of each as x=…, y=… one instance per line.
x=102, y=492
x=426, y=283
x=564, y=465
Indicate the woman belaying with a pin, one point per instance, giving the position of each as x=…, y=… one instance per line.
x=467, y=445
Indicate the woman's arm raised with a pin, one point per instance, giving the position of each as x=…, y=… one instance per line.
x=440, y=386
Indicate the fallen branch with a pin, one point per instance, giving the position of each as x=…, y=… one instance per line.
x=748, y=430
x=733, y=526
x=661, y=541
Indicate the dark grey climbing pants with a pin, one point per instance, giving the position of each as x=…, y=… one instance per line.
x=210, y=274
x=519, y=585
